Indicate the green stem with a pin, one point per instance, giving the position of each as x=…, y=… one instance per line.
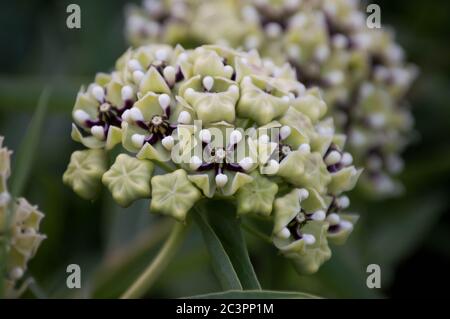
x=154, y=270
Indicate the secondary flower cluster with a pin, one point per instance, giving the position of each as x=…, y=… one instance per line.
x=223, y=124
x=361, y=71
x=19, y=229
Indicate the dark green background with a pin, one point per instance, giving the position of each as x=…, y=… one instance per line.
x=409, y=236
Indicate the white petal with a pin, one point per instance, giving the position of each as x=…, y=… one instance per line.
x=228, y=70
x=264, y=139
x=304, y=148
x=164, y=101
x=195, y=163
x=333, y=219
x=136, y=114
x=345, y=224
x=126, y=116
x=303, y=194
x=235, y=137
x=221, y=180
x=99, y=93
x=272, y=167
x=189, y=92
x=98, y=132
x=168, y=142
x=170, y=74
x=161, y=55
x=285, y=131
x=137, y=76
x=205, y=135
x=344, y=202
x=134, y=65
x=333, y=157
x=184, y=117
x=16, y=273
x=284, y=233
x=246, y=163
x=80, y=116
x=319, y=215
x=127, y=93
x=309, y=239
x=208, y=82
x=347, y=159
x=137, y=140
x=233, y=89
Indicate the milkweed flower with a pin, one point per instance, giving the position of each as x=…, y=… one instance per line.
x=362, y=72
x=19, y=229
x=224, y=124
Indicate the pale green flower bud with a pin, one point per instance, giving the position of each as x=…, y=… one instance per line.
x=256, y=197
x=173, y=194
x=128, y=179
x=85, y=171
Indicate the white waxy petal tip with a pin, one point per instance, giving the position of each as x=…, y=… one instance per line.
x=285, y=131
x=309, y=239
x=195, y=163
x=170, y=74
x=319, y=215
x=344, y=202
x=246, y=163
x=205, y=135
x=208, y=83
x=164, y=101
x=136, y=114
x=137, y=140
x=333, y=157
x=134, y=65
x=304, y=148
x=98, y=132
x=80, y=116
x=184, y=117
x=99, y=93
x=333, y=219
x=235, y=137
x=127, y=93
x=137, y=76
x=221, y=180
x=284, y=233
x=168, y=142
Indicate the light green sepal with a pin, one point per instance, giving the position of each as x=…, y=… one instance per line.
x=285, y=209
x=153, y=82
x=344, y=180
x=88, y=141
x=203, y=181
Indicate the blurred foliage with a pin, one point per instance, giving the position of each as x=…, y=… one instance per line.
x=408, y=236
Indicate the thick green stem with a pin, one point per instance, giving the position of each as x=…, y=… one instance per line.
x=153, y=271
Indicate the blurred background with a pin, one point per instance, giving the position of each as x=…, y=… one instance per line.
x=409, y=236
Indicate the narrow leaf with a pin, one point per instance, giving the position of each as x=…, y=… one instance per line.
x=228, y=229
x=26, y=154
x=221, y=262
x=255, y=294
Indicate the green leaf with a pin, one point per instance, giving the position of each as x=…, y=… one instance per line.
x=255, y=294
x=26, y=154
x=221, y=262
x=228, y=229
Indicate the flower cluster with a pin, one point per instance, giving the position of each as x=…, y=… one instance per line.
x=361, y=71
x=224, y=124
x=19, y=229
